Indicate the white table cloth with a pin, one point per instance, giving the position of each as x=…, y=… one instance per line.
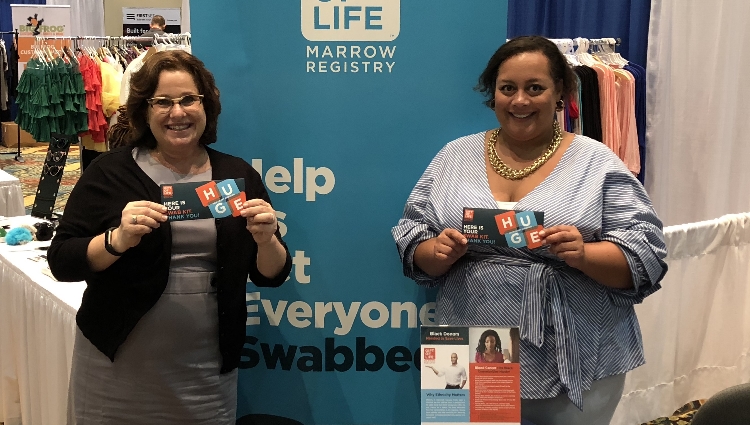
x=37, y=331
x=11, y=196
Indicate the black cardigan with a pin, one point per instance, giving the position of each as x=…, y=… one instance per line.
x=116, y=298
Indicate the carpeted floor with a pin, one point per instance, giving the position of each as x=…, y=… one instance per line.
x=30, y=171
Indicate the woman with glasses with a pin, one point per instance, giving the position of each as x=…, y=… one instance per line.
x=162, y=321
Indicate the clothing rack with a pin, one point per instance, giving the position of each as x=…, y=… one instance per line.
x=624, y=130
x=601, y=41
x=75, y=42
x=91, y=37
x=113, y=39
x=567, y=45
x=18, y=157
x=605, y=45
x=171, y=38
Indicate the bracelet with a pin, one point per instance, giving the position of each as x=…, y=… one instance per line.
x=108, y=242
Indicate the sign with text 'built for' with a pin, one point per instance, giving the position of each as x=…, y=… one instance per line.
x=340, y=105
x=137, y=20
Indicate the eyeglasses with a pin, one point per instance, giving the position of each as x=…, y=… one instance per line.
x=52, y=170
x=55, y=156
x=164, y=104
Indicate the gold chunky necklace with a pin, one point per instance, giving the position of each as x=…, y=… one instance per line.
x=509, y=173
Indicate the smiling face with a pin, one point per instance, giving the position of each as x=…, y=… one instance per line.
x=525, y=96
x=454, y=358
x=180, y=128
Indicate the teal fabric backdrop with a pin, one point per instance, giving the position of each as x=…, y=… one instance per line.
x=340, y=151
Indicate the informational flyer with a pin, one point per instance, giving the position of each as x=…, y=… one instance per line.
x=508, y=228
x=208, y=199
x=470, y=375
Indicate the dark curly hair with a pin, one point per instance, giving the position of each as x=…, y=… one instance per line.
x=559, y=69
x=143, y=86
x=489, y=332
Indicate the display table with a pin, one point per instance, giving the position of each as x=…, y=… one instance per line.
x=11, y=196
x=37, y=331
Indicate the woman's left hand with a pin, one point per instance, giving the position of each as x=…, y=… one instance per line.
x=261, y=220
x=565, y=242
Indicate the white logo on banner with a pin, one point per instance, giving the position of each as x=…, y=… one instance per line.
x=350, y=21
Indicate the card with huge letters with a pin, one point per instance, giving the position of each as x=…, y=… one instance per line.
x=508, y=228
x=207, y=199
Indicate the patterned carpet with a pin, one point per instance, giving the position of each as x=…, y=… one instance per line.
x=30, y=171
x=682, y=416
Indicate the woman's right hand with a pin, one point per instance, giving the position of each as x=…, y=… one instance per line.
x=138, y=219
x=450, y=245
x=436, y=256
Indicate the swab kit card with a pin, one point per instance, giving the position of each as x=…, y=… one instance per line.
x=508, y=228
x=208, y=199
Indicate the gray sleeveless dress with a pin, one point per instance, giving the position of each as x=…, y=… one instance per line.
x=167, y=370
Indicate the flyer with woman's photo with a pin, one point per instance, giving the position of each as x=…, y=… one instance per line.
x=470, y=375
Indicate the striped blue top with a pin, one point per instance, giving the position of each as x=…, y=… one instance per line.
x=573, y=330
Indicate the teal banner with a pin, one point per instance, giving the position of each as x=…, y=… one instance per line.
x=341, y=105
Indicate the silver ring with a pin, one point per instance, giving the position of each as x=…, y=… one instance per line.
x=135, y=219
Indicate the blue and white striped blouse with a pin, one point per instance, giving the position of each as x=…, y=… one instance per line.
x=573, y=329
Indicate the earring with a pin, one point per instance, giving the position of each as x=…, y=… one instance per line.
x=560, y=105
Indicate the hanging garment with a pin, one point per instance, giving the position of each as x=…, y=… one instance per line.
x=603, y=81
x=92, y=78
x=608, y=106
x=591, y=124
x=625, y=89
x=110, y=101
x=577, y=115
x=3, y=82
x=639, y=73
x=111, y=80
x=51, y=99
